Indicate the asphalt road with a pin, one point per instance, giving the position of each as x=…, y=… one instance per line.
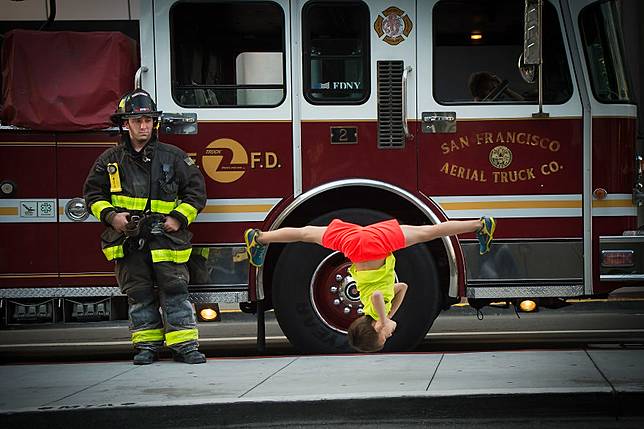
x=596, y=323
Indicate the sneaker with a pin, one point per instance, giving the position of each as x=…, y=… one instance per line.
x=191, y=357
x=485, y=234
x=256, y=251
x=145, y=357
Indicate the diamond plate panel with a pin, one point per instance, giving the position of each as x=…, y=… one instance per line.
x=195, y=297
x=525, y=291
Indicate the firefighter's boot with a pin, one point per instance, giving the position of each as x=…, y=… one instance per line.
x=145, y=357
x=191, y=357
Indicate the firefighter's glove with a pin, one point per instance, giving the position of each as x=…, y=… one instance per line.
x=171, y=224
x=110, y=217
x=133, y=227
x=156, y=227
x=118, y=221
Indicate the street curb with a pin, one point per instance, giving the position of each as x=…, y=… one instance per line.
x=327, y=410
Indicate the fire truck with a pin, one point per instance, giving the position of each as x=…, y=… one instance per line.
x=310, y=110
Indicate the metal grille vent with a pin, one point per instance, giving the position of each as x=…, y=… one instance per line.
x=390, y=115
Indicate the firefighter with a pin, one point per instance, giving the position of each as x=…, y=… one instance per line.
x=147, y=193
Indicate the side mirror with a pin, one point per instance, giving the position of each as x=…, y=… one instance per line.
x=528, y=72
x=532, y=32
x=179, y=123
x=532, y=61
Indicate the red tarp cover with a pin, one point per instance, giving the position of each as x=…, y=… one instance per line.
x=65, y=81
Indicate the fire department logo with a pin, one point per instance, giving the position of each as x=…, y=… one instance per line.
x=395, y=25
x=500, y=157
x=225, y=160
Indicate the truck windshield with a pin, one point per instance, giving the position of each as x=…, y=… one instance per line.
x=601, y=35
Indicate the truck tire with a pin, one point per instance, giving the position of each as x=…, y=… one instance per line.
x=314, y=316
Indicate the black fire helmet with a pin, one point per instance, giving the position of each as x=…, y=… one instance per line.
x=133, y=105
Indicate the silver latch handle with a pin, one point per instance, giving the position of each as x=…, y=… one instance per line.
x=137, y=76
x=406, y=71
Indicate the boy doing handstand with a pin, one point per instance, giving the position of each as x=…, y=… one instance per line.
x=370, y=248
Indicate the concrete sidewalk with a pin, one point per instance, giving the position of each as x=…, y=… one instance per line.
x=283, y=391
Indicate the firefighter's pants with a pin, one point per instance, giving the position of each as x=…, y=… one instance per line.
x=177, y=326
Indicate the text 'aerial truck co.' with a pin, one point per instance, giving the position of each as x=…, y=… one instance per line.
x=298, y=112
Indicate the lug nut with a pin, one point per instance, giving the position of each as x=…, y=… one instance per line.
x=360, y=311
x=334, y=289
x=338, y=277
x=336, y=301
x=347, y=310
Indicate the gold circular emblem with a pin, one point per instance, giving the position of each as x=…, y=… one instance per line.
x=225, y=160
x=500, y=157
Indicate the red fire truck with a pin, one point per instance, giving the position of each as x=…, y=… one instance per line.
x=309, y=110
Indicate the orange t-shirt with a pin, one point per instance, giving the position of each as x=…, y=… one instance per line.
x=364, y=243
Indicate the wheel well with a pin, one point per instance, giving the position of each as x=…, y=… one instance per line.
x=364, y=197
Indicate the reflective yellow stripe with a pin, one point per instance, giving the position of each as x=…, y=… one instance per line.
x=169, y=255
x=165, y=207
x=129, y=203
x=612, y=203
x=531, y=204
x=201, y=251
x=98, y=207
x=113, y=252
x=188, y=211
x=147, y=335
x=181, y=336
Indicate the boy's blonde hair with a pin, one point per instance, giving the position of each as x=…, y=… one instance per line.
x=362, y=336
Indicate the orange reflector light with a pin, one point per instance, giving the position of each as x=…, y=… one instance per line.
x=600, y=193
x=528, y=305
x=208, y=314
x=476, y=36
x=617, y=258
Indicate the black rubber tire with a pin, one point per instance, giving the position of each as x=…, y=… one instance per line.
x=303, y=327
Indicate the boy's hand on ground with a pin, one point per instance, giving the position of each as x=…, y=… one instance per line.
x=385, y=326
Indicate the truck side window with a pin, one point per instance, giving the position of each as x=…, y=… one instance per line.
x=600, y=33
x=227, y=54
x=476, y=49
x=335, y=37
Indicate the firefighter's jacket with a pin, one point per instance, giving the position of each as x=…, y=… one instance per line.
x=160, y=179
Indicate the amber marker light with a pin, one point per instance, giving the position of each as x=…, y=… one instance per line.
x=476, y=36
x=600, y=193
x=528, y=305
x=208, y=314
x=617, y=258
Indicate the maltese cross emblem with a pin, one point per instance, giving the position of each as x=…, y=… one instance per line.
x=394, y=24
